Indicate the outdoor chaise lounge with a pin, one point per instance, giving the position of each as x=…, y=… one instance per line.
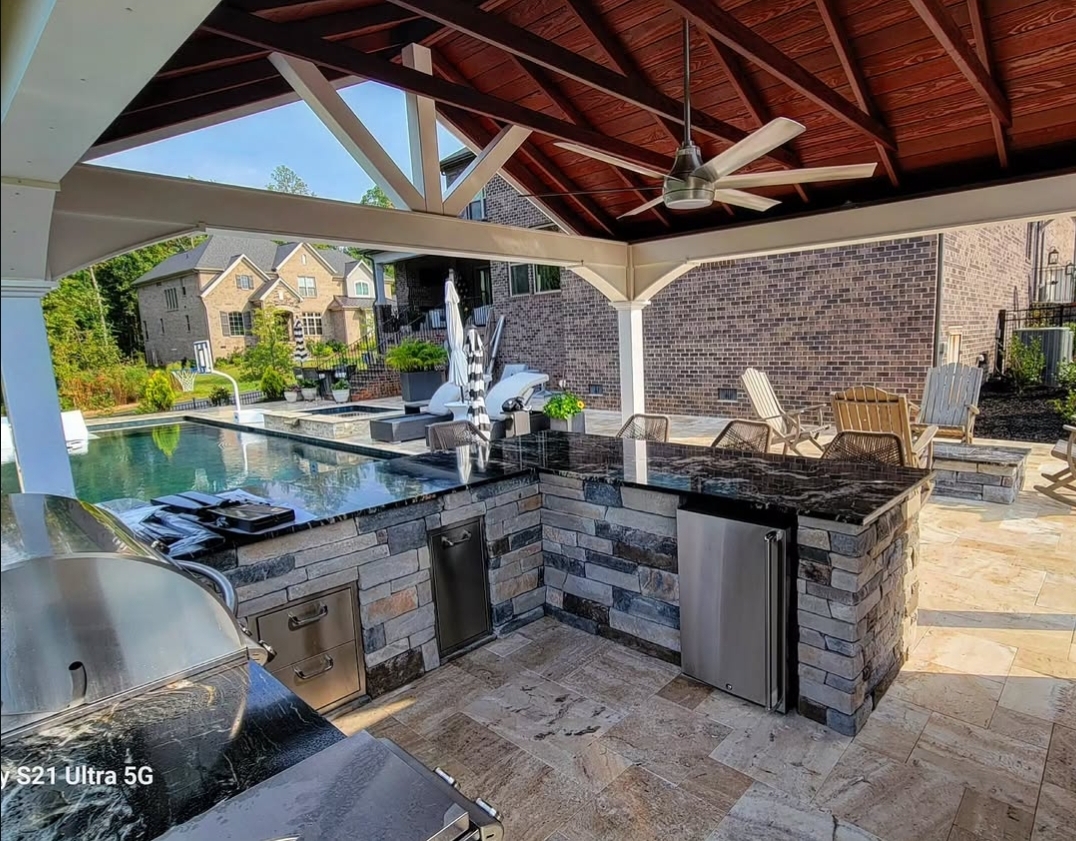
x=405, y=427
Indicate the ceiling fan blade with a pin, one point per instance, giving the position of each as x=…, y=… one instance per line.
x=642, y=188
x=642, y=207
x=742, y=199
x=609, y=159
x=798, y=176
x=758, y=143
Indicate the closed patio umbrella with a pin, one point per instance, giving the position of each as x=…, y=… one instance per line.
x=301, y=354
x=476, y=382
x=457, y=359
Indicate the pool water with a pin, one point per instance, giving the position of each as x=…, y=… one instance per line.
x=148, y=462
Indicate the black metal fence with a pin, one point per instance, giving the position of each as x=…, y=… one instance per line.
x=1037, y=315
x=245, y=398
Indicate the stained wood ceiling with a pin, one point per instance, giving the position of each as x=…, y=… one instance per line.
x=943, y=94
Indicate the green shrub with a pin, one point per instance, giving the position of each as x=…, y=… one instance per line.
x=272, y=348
x=336, y=346
x=305, y=383
x=274, y=383
x=1066, y=374
x=1066, y=406
x=340, y=385
x=221, y=395
x=319, y=350
x=157, y=395
x=108, y=386
x=413, y=355
x=1026, y=363
x=563, y=406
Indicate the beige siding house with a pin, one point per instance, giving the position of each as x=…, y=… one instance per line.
x=211, y=293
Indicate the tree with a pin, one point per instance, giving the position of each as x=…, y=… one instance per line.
x=376, y=197
x=286, y=180
x=272, y=348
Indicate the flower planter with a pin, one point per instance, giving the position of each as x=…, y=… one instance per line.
x=341, y=395
x=576, y=423
x=309, y=393
x=419, y=386
x=291, y=396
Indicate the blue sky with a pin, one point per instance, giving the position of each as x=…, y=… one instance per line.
x=245, y=151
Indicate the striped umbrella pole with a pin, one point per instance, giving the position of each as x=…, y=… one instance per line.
x=476, y=383
x=300, y=355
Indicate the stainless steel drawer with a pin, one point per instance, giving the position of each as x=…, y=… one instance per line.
x=324, y=678
x=307, y=628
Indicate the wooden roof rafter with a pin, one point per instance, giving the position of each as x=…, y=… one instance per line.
x=982, y=48
x=529, y=150
x=853, y=72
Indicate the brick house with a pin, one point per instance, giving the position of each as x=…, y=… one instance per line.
x=212, y=291
x=816, y=321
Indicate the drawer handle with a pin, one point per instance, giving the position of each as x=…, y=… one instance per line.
x=295, y=622
x=326, y=667
x=448, y=544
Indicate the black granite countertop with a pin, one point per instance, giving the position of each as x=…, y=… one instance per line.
x=203, y=739
x=840, y=491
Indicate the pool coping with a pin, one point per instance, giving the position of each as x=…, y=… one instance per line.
x=328, y=443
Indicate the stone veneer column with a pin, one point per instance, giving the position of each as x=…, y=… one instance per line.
x=857, y=605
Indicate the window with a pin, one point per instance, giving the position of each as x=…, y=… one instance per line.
x=162, y=326
x=363, y=290
x=145, y=329
x=526, y=279
x=519, y=279
x=546, y=278
x=307, y=287
x=188, y=323
x=183, y=290
x=312, y=324
x=477, y=208
x=235, y=323
x=244, y=281
x=302, y=259
x=171, y=299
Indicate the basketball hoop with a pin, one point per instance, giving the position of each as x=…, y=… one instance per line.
x=185, y=378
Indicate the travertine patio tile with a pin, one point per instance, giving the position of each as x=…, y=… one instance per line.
x=962, y=653
x=993, y=820
x=1059, y=591
x=620, y=677
x=1055, y=816
x=1061, y=758
x=893, y=728
x=1025, y=728
x=768, y=814
x=1045, y=697
x=970, y=698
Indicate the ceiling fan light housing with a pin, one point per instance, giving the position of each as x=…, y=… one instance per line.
x=683, y=190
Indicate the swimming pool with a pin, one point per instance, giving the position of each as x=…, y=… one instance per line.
x=151, y=461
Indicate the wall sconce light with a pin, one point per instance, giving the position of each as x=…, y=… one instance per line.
x=1052, y=257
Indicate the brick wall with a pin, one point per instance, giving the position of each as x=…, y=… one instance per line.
x=170, y=334
x=984, y=270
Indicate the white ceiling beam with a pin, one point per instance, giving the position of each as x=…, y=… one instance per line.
x=1041, y=198
x=482, y=169
x=422, y=132
x=316, y=91
x=115, y=203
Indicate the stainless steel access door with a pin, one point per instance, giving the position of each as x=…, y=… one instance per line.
x=732, y=586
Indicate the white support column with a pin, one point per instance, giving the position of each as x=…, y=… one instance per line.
x=422, y=131
x=379, y=284
x=310, y=83
x=33, y=406
x=629, y=317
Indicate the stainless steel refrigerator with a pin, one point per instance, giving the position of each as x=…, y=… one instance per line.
x=734, y=589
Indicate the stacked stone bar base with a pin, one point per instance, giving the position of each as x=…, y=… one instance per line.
x=990, y=474
x=387, y=554
x=857, y=605
x=610, y=561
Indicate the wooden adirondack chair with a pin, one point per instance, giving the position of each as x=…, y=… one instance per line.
x=951, y=401
x=789, y=428
x=865, y=408
x=1064, y=479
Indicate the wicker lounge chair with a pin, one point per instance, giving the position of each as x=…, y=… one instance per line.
x=744, y=436
x=448, y=436
x=866, y=448
x=645, y=428
x=865, y=408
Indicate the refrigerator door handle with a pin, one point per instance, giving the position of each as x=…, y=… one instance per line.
x=773, y=556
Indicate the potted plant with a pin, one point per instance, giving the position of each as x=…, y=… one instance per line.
x=309, y=389
x=421, y=367
x=341, y=391
x=565, y=412
x=292, y=394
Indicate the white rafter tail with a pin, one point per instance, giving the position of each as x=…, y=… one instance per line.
x=485, y=165
x=586, y=151
x=325, y=102
x=641, y=208
x=758, y=143
x=422, y=132
x=798, y=176
x=742, y=199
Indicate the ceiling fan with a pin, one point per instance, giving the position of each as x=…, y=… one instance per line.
x=692, y=184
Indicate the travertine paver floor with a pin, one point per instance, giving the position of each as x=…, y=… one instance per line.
x=575, y=738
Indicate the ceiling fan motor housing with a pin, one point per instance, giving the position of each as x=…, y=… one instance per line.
x=683, y=190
